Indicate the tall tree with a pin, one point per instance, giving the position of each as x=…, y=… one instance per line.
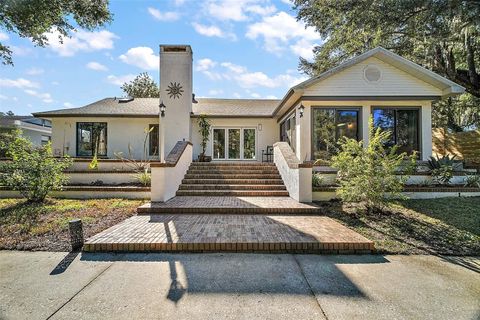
x=143, y=86
x=442, y=35
x=34, y=18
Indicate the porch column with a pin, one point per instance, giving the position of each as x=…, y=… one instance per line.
x=426, y=130
x=366, y=113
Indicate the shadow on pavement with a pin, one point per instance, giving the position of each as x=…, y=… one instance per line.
x=245, y=273
x=65, y=263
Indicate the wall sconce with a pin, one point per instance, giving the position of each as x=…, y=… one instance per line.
x=301, y=110
x=162, y=108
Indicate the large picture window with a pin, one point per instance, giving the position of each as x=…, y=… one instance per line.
x=328, y=126
x=91, y=139
x=403, y=125
x=153, y=143
x=288, y=131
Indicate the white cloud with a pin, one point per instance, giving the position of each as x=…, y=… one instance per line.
x=120, y=80
x=271, y=97
x=80, y=41
x=279, y=30
x=21, y=51
x=45, y=97
x=205, y=64
x=3, y=36
x=213, y=31
x=35, y=71
x=68, y=105
x=304, y=49
x=142, y=57
x=235, y=10
x=255, y=95
x=20, y=83
x=179, y=2
x=96, y=66
x=2, y=97
x=163, y=16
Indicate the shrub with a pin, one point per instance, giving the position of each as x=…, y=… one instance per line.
x=317, y=180
x=33, y=170
x=442, y=175
x=438, y=162
x=473, y=180
x=369, y=174
x=204, y=130
x=145, y=178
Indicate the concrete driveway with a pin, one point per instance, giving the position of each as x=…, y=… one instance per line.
x=44, y=285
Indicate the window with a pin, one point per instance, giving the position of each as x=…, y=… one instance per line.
x=288, y=131
x=45, y=140
x=328, y=126
x=153, y=143
x=91, y=139
x=403, y=125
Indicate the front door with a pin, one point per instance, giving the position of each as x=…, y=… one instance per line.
x=234, y=144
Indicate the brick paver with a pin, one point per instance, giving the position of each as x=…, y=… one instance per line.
x=238, y=205
x=229, y=232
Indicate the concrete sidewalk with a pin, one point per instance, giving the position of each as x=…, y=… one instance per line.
x=43, y=285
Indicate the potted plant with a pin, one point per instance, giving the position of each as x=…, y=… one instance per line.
x=204, y=129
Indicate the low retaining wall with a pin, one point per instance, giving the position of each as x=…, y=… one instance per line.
x=328, y=193
x=90, y=193
x=167, y=177
x=296, y=175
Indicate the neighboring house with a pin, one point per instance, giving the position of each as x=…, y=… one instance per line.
x=311, y=116
x=39, y=131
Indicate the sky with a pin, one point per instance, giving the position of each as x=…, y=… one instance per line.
x=241, y=49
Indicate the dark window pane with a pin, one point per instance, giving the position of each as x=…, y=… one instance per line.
x=249, y=143
x=219, y=143
x=91, y=138
x=323, y=134
x=234, y=143
x=407, y=130
x=385, y=119
x=347, y=125
x=153, y=143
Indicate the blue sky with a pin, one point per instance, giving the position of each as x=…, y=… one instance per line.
x=241, y=49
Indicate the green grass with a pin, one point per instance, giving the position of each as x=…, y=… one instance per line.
x=449, y=226
x=44, y=226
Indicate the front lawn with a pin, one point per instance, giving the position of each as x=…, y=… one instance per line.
x=29, y=226
x=449, y=226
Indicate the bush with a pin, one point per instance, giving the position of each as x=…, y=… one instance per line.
x=144, y=178
x=369, y=174
x=317, y=180
x=33, y=170
x=472, y=181
x=442, y=175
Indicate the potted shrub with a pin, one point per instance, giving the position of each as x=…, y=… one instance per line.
x=204, y=129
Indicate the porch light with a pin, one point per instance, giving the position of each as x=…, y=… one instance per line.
x=162, y=108
x=301, y=110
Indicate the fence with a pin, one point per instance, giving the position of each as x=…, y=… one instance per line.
x=464, y=145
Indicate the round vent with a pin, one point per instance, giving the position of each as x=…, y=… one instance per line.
x=372, y=74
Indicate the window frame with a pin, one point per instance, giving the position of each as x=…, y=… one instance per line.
x=335, y=108
x=106, y=140
x=395, y=131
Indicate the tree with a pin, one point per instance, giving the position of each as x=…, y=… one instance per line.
x=369, y=174
x=442, y=35
x=204, y=126
x=457, y=114
x=33, y=170
x=9, y=113
x=143, y=86
x=34, y=18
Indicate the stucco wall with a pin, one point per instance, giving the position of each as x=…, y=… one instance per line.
x=120, y=132
x=266, y=137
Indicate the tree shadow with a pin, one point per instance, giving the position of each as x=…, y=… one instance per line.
x=23, y=213
x=422, y=236
x=245, y=273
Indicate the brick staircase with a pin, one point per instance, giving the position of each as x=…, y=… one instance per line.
x=249, y=179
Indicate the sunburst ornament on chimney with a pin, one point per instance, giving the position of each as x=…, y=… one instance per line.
x=174, y=90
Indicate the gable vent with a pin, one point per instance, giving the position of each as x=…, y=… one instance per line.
x=372, y=74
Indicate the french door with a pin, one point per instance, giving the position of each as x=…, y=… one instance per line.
x=234, y=144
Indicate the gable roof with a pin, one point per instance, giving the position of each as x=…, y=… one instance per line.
x=447, y=86
x=148, y=107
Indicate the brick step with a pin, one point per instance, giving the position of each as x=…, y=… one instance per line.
x=231, y=210
x=232, y=187
x=232, y=164
x=232, y=181
x=232, y=176
x=229, y=171
x=236, y=193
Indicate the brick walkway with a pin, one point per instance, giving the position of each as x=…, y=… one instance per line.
x=236, y=205
x=229, y=232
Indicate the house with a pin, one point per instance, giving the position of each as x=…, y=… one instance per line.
x=310, y=118
x=38, y=131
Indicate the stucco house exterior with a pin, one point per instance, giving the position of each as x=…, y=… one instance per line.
x=309, y=118
x=38, y=131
